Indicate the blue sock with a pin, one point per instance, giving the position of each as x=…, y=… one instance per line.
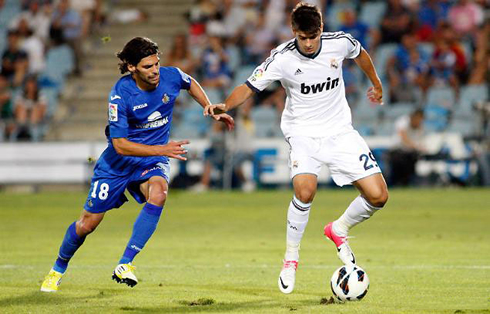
x=143, y=228
x=69, y=246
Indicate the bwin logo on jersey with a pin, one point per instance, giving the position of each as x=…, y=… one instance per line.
x=318, y=87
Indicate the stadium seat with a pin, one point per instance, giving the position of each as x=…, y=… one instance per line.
x=470, y=95
x=266, y=121
x=465, y=127
x=396, y=110
x=372, y=13
x=51, y=95
x=59, y=63
x=436, y=118
x=242, y=74
x=215, y=95
x=235, y=57
x=381, y=57
x=442, y=97
x=334, y=14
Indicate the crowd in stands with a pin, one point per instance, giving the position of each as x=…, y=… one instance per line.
x=40, y=45
x=430, y=54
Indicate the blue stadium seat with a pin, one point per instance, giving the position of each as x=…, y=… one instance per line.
x=381, y=57
x=441, y=96
x=436, y=118
x=51, y=94
x=215, y=95
x=465, y=127
x=235, y=57
x=396, y=110
x=372, y=13
x=471, y=94
x=59, y=63
x=266, y=121
x=242, y=74
x=334, y=14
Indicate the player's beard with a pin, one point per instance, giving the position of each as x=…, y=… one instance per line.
x=147, y=79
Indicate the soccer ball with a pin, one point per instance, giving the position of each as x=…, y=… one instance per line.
x=349, y=283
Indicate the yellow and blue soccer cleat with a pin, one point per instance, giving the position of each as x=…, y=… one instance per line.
x=51, y=282
x=124, y=273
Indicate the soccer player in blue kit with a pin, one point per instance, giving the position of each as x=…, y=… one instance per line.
x=137, y=155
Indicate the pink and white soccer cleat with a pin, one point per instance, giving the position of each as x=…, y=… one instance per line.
x=287, y=276
x=344, y=252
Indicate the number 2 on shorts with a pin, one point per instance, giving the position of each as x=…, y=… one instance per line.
x=103, y=193
x=366, y=158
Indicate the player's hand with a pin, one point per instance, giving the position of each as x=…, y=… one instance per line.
x=226, y=119
x=175, y=150
x=214, y=110
x=375, y=95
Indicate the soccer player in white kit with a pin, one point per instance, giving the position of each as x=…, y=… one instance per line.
x=317, y=124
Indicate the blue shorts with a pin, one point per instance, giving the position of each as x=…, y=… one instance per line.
x=107, y=189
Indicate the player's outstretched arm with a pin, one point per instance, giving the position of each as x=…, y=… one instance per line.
x=237, y=97
x=197, y=92
x=172, y=149
x=375, y=93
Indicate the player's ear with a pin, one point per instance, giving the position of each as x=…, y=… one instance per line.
x=131, y=68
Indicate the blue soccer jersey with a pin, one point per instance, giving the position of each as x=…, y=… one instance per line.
x=143, y=117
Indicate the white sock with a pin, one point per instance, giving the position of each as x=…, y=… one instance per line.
x=358, y=211
x=298, y=214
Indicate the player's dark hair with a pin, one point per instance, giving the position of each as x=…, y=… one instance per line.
x=306, y=18
x=418, y=112
x=135, y=50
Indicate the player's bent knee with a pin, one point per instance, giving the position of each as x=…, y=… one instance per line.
x=305, y=196
x=86, y=227
x=158, y=198
x=379, y=199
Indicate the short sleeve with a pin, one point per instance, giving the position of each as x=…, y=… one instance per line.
x=118, y=120
x=353, y=47
x=185, y=80
x=266, y=73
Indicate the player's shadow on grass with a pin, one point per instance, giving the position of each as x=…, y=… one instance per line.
x=40, y=298
x=259, y=306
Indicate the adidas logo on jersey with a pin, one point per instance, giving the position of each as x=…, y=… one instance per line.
x=319, y=87
x=298, y=72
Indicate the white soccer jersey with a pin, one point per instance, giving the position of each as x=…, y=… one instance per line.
x=315, y=103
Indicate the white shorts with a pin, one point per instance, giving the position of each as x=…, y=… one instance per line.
x=347, y=156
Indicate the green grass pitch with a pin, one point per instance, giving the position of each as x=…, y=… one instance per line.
x=428, y=251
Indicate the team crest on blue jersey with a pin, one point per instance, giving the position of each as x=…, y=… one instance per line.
x=165, y=99
x=333, y=63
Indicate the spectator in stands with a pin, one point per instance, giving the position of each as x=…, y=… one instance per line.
x=33, y=46
x=216, y=73
x=14, y=60
x=38, y=17
x=180, y=55
x=86, y=10
x=30, y=110
x=69, y=22
x=396, y=22
x=430, y=14
x=259, y=41
x=359, y=30
x=408, y=71
x=465, y=17
x=6, y=115
x=407, y=148
x=443, y=65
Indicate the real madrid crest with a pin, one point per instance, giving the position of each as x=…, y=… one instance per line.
x=165, y=99
x=333, y=63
